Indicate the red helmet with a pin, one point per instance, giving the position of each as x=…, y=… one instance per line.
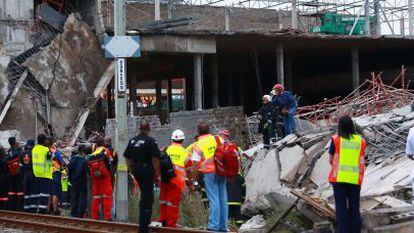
x=224, y=132
x=278, y=86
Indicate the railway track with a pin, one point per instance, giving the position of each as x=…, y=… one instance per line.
x=50, y=223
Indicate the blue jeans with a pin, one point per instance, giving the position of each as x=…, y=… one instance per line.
x=289, y=121
x=347, y=199
x=217, y=197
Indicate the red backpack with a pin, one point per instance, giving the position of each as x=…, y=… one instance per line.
x=13, y=166
x=226, y=159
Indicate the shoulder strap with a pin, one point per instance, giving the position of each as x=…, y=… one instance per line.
x=217, y=140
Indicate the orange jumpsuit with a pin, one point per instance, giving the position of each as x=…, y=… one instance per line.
x=171, y=191
x=99, y=169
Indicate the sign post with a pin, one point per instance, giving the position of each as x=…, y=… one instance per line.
x=121, y=137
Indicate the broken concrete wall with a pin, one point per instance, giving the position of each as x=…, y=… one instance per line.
x=231, y=118
x=69, y=68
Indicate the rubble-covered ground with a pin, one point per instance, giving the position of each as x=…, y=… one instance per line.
x=297, y=167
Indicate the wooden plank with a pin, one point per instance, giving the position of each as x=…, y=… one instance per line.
x=321, y=207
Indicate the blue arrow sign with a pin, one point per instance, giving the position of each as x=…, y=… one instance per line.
x=122, y=46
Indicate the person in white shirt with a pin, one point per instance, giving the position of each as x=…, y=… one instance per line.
x=409, y=150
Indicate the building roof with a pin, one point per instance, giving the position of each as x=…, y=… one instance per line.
x=139, y=16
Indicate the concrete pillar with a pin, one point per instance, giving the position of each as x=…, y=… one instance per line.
x=355, y=68
x=227, y=19
x=294, y=15
x=410, y=18
x=214, y=82
x=169, y=94
x=198, y=82
x=280, y=63
x=230, y=90
x=158, y=96
x=377, y=5
x=402, y=24
x=157, y=10
x=288, y=73
x=367, y=19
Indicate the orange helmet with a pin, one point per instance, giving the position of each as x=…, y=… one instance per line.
x=278, y=87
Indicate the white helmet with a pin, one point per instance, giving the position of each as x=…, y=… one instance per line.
x=177, y=135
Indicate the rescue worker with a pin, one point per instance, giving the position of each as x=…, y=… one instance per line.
x=42, y=170
x=28, y=178
x=236, y=194
x=56, y=187
x=142, y=156
x=114, y=158
x=198, y=185
x=171, y=191
x=4, y=198
x=267, y=121
x=288, y=106
x=100, y=172
x=409, y=150
x=203, y=156
x=78, y=176
x=15, y=175
x=347, y=158
x=64, y=200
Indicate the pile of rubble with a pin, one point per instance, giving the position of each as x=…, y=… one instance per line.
x=295, y=170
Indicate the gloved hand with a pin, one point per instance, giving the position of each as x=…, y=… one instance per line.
x=410, y=157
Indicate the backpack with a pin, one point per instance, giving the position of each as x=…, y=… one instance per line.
x=97, y=167
x=13, y=165
x=226, y=159
x=167, y=169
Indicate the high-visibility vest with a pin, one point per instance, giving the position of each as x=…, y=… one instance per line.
x=42, y=166
x=206, y=147
x=64, y=181
x=348, y=163
x=180, y=159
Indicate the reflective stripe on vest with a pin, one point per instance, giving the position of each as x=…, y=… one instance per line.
x=206, y=146
x=42, y=167
x=348, y=162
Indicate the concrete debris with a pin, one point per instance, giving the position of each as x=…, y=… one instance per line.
x=298, y=166
x=67, y=70
x=255, y=224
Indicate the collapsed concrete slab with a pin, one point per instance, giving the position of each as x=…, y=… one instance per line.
x=290, y=160
x=69, y=69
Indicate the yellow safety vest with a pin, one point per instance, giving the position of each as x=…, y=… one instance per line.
x=178, y=155
x=42, y=166
x=349, y=162
x=64, y=181
x=206, y=147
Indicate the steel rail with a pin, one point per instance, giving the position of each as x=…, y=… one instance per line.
x=67, y=224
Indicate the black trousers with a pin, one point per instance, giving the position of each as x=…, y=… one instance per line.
x=268, y=133
x=15, y=192
x=29, y=188
x=78, y=194
x=4, y=198
x=235, y=214
x=347, y=200
x=144, y=176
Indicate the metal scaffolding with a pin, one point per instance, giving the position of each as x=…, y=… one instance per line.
x=387, y=17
